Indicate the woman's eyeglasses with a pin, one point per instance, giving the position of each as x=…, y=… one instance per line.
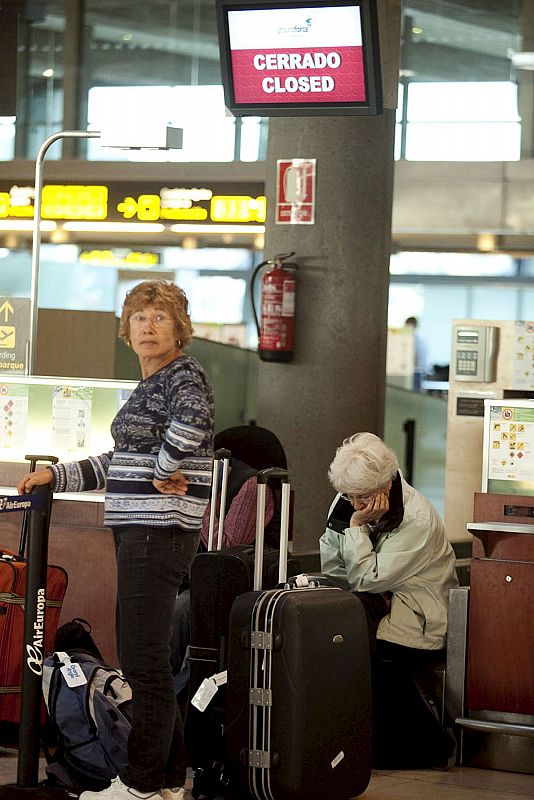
x=355, y=498
x=158, y=320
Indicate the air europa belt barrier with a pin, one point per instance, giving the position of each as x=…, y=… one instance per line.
x=37, y=505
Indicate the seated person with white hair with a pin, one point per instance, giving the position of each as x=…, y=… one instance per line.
x=383, y=538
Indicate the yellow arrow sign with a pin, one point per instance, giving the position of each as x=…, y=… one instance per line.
x=7, y=308
x=128, y=207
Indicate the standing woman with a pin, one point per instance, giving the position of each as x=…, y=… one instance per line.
x=157, y=481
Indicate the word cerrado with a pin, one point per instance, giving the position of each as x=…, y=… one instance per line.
x=304, y=83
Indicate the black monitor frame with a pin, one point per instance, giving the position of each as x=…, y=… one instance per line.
x=371, y=61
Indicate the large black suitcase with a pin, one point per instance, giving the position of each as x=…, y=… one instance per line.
x=217, y=578
x=298, y=694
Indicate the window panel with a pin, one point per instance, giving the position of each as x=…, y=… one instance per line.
x=463, y=102
x=463, y=141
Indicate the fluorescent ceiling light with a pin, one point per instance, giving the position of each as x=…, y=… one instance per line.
x=25, y=225
x=179, y=228
x=114, y=227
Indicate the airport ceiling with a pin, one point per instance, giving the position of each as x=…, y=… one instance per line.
x=175, y=41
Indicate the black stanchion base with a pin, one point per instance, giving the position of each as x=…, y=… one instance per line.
x=12, y=792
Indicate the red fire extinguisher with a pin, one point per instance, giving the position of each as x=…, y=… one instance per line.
x=276, y=330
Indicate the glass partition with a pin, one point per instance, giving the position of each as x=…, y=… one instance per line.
x=64, y=417
x=429, y=413
x=463, y=88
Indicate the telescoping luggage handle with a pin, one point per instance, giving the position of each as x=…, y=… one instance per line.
x=218, y=456
x=262, y=478
x=34, y=460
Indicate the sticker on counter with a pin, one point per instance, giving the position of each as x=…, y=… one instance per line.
x=511, y=431
x=13, y=415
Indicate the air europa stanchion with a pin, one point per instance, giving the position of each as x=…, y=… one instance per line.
x=38, y=504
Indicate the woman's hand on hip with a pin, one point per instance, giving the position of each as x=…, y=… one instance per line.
x=31, y=479
x=176, y=484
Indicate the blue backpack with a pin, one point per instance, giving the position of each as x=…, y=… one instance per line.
x=90, y=720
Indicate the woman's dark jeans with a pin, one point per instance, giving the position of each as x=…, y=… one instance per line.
x=151, y=563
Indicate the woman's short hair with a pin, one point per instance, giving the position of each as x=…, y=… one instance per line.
x=362, y=464
x=165, y=294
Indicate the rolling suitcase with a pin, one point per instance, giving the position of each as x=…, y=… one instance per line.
x=218, y=576
x=13, y=574
x=298, y=693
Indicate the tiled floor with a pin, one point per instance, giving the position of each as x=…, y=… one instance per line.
x=460, y=783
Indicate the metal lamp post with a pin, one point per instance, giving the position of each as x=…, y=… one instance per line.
x=164, y=137
x=36, y=242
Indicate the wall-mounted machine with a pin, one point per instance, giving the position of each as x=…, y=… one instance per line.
x=490, y=360
x=474, y=353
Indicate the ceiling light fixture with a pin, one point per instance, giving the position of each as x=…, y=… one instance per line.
x=179, y=228
x=114, y=227
x=25, y=225
x=523, y=60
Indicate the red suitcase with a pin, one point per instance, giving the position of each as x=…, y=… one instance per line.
x=13, y=573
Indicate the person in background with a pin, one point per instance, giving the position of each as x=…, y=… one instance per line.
x=157, y=480
x=420, y=366
x=384, y=539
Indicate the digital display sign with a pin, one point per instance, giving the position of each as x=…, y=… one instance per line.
x=290, y=58
x=220, y=203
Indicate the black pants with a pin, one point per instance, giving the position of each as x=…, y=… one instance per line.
x=407, y=733
x=151, y=563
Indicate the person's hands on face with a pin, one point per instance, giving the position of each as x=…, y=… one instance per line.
x=176, y=484
x=370, y=511
x=31, y=479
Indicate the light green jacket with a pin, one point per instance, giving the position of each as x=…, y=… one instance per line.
x=415, y=562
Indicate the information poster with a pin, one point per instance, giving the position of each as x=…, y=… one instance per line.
x=523, y=364
x=71, y=417
x=511, y=443
x=13, y=415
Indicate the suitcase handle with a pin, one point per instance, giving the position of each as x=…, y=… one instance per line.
x=33, y=459
x=262, y=479
x=219, y=455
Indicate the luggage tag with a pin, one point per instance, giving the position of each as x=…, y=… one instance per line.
x=208, y=689
x=72, y=673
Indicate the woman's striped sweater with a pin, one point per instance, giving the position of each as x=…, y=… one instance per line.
x=165, y=425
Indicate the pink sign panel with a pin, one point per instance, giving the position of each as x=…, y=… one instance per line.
x=300, y=55
x=314, y=75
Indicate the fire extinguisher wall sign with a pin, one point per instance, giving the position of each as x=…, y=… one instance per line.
x=276, y=328
x=295, y=191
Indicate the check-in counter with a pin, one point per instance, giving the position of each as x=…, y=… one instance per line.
x=80, y=544
x=497, y=722
x=69, y=418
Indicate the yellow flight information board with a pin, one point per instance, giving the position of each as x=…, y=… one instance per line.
x=217, y=203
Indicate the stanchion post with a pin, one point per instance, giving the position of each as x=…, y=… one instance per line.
x=33, y=643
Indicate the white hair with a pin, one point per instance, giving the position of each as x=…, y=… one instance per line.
x=362, y=464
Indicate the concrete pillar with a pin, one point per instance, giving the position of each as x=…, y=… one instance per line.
x=335, y=386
